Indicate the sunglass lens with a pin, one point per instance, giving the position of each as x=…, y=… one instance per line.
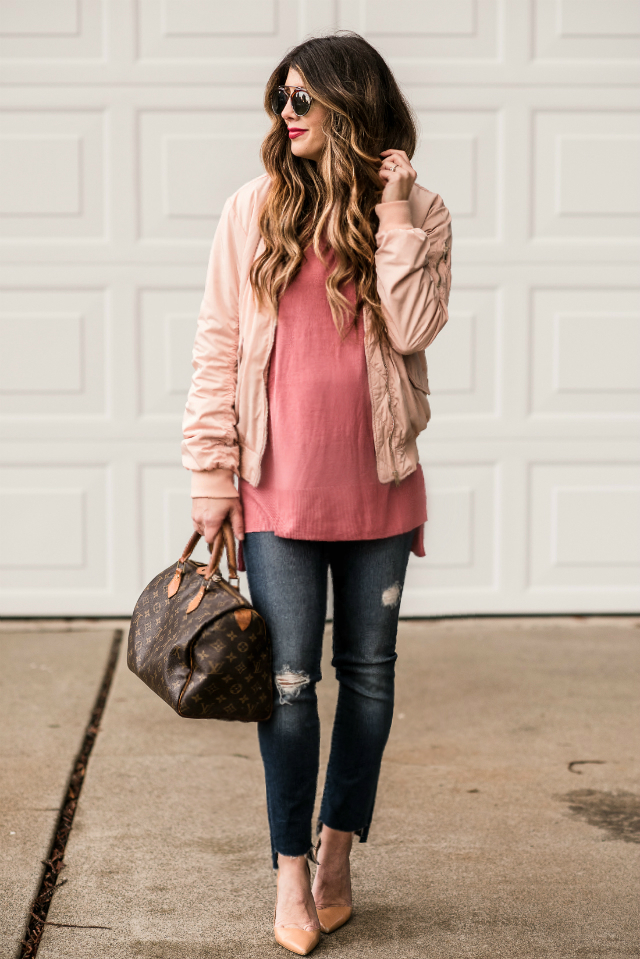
x=279, y=100
x=301, y=103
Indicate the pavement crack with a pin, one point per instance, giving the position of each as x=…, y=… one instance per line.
x=54, y=864
x=584, y=762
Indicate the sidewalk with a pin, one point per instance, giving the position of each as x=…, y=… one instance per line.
x=48, y=684
x=485, y=841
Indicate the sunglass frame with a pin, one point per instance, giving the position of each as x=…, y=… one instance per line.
x=275, y=100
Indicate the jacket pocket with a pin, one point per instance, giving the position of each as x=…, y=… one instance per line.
x=414, y=411
x=416, y=367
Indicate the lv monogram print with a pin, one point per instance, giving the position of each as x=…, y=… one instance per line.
x=212, y=663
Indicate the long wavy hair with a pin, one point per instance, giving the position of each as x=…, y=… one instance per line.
x=332, y=201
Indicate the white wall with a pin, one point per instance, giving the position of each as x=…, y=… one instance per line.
x=124, y=126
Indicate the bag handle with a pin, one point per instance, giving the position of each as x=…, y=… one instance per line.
x=224, y=539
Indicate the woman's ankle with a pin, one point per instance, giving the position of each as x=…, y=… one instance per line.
x=293, y=865
x=332, y=883
x=335, y=841
x=295, y=905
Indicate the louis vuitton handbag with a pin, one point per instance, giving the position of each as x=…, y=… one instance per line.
x=198, y=643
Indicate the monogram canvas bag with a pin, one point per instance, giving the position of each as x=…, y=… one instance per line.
x=198, y=643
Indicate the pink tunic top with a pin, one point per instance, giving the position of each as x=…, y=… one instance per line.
x=319, y=478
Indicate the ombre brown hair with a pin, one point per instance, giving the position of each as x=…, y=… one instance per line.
x=367, y=114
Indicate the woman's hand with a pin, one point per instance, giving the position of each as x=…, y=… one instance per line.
x=208, y=516
x=399, y=180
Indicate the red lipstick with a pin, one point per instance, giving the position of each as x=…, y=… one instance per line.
x=296, y=132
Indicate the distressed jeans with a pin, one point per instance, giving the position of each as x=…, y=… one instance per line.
x=288, y=583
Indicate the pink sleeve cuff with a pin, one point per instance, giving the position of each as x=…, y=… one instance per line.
x=395, y=215
x=214, y=484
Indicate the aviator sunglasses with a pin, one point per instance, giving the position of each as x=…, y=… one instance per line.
x=300, y=100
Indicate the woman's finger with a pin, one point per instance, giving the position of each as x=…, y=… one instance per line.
x=398, y=164
x=397, y=156
x=211, y=529
x=237, y=521
x=197, y=525
x=386, y=172
x=392, y=156
x=394, y=150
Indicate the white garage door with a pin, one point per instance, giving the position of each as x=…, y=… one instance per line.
x=125, y=125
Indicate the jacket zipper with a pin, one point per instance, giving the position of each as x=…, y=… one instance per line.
x=396, y=478
x=266, y=399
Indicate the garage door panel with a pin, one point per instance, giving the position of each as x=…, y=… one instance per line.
x=460, y=537
x=54, y=361
x=427, y=29
x=585, y=349
x=174, y=30
x=185, y=173
x=459, y=158
x=585, y=526
x=166, y=319
x=585, y=174
x=599, y=30
x=55, y=30
x=54, y=528
x=52, y=174
x=463, y=363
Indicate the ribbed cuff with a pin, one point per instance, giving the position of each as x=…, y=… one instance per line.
x=213, y=484
x=395, y=215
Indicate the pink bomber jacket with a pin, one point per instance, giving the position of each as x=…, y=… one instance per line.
x=225, y=421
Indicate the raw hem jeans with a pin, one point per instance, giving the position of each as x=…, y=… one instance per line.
x=288, y=583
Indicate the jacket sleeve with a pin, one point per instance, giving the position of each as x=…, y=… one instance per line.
x=413, y=266
x=210, y=443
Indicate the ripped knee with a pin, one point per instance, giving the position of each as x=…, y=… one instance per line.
x=290, y=683
x=391, y=595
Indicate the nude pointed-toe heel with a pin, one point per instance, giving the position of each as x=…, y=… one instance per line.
x=332, y=917
x=294, y=938
x=300, y=941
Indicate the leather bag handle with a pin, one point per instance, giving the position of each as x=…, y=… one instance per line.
x=224, y=539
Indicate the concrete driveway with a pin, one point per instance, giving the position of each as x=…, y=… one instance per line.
x=507, y=822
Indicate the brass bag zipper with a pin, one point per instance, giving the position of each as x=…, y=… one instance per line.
x=217, y=578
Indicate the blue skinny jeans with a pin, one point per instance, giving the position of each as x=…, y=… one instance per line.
x=288, y=583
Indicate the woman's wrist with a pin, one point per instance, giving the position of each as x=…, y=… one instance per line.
x=213, y=484
x=394, y=215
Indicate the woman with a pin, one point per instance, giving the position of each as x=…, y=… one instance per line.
x=327, y=279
